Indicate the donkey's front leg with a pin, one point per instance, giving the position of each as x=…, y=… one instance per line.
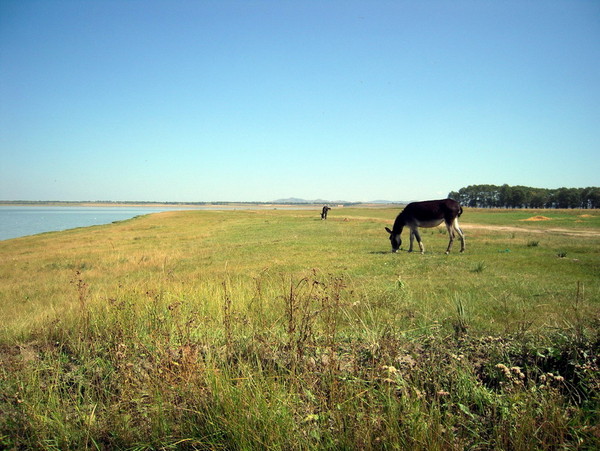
x=412, y=239
x=418, y=237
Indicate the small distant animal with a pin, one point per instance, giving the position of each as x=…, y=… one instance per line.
x=324, y=212
x=430, y=213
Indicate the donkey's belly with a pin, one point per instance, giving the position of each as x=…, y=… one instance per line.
x=430, y=223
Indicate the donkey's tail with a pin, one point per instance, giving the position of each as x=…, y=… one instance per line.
x=460, y=210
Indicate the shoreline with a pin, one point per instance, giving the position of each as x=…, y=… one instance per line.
x=67, y=203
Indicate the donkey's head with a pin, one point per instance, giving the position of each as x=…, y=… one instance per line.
x=394, y=239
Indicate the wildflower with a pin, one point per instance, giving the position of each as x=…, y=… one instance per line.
x=504, y=369
x=517, y=371
x=390, y=369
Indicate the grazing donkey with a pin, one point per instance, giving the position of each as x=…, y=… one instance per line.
x=324, y=212
x=430, y=213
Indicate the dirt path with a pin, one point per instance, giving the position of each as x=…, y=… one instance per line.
x=584, y=233
x=559, y=231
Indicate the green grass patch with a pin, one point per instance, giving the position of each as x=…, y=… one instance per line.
x=274, y=329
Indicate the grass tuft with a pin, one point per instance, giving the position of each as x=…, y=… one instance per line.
x=479, y=267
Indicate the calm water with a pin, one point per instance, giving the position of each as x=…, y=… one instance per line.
x=21, y=221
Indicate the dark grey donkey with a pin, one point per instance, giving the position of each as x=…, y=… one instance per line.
x=430, y=213
x=324, y=212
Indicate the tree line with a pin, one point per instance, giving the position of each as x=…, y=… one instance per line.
x=505, y=196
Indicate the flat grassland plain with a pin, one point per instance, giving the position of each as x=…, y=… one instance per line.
x=272, y=329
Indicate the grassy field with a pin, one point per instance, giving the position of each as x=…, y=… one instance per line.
x=272, y=329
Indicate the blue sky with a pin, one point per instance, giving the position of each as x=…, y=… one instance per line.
x=260, y=100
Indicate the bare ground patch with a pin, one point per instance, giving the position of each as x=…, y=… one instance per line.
x=559, y=231
x=554, y=230
x=537, y=218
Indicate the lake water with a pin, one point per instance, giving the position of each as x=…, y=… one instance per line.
x=18, y=221
x=22, y=221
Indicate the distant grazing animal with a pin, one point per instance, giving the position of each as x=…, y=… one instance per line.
x=430, y=213
x=324, y=212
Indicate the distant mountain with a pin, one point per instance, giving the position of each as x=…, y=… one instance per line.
x=291, y=200
x=296, y=200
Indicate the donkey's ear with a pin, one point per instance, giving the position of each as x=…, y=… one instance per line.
x=388, y=230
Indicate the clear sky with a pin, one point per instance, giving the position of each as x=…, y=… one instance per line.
x=259, y=100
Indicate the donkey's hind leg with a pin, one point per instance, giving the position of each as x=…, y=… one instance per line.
x=450, y=228
x=461, y=235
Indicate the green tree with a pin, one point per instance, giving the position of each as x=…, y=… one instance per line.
x=507, y=196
